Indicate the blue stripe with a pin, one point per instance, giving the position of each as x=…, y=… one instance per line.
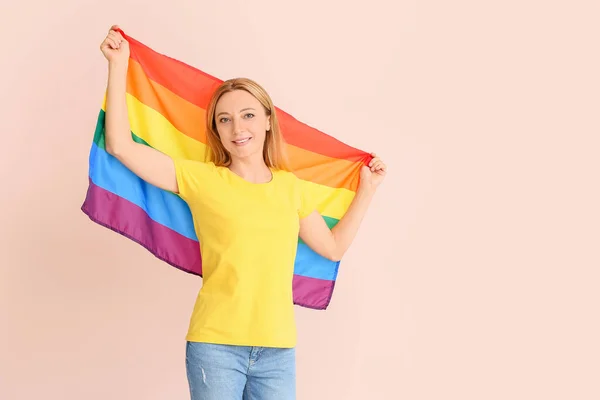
x=170, y=210
x=310, y=264
x=162, y=206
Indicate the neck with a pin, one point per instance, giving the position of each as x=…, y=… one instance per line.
x=252, y=169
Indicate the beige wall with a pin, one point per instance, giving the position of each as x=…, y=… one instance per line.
x=475, y=275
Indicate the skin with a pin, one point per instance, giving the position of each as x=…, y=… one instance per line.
x=238, y=116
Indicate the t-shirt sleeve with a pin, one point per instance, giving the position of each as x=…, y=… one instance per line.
x=192, y=177
x=308, y=199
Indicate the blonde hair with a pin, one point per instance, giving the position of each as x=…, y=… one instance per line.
x=274, y=145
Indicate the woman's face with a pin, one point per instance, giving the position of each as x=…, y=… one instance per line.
x=242, y=123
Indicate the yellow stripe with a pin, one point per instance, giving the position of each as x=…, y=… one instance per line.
x=332, y=202
x=158, y=132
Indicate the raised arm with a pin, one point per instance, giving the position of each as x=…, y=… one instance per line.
x=333, y=243
x=149, y=164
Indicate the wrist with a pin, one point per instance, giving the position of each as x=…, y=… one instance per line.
x=118, y=65
x=365, y=191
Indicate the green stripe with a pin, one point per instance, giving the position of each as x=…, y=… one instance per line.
x=99, y=137
x=331, y=222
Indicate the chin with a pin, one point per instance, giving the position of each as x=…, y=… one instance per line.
x=244, y=153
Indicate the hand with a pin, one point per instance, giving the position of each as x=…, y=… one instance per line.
x=114, y=47
x=372, y=175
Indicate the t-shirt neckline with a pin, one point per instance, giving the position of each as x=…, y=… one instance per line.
x=247, y=182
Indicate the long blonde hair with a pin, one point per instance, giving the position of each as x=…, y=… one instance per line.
x=274, y=146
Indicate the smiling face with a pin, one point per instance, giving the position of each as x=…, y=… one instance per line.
x=242, y=124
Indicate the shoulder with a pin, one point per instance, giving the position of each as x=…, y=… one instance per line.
x=287, y=179
x=194, y=176
x=186, y=165
x=284, y=174
x=192, y=170
x=303, y=193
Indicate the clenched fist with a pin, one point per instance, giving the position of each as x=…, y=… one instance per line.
x=114, y=47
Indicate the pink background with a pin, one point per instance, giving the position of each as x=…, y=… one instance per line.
x=475, y=274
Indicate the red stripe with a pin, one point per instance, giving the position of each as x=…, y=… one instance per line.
x=197, y=87
x=124, y=217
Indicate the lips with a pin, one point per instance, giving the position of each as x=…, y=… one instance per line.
x=241, y=142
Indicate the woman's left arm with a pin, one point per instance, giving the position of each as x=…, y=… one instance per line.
x=333, y=243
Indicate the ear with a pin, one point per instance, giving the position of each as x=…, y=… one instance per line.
x=268, y=124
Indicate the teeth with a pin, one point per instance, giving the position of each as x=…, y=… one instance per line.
x=242, y=141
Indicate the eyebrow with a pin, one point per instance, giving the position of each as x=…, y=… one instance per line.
x=242, y=110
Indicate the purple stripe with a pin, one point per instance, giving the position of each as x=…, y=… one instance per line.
x=312, y=292
x=126, y=218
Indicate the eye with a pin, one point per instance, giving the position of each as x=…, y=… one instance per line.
x=249, y=115
x=223, y=120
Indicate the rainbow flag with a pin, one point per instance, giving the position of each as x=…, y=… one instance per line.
x=166, y=101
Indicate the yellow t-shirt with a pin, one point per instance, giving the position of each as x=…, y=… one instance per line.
x=248, y=236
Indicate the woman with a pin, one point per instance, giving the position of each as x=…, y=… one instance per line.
x=242, y=335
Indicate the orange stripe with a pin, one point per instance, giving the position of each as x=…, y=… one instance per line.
x=317, y=168
x=189, y=119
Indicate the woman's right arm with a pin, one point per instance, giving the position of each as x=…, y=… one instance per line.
x=149, y=164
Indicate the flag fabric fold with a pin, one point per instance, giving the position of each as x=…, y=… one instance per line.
x=167, y=102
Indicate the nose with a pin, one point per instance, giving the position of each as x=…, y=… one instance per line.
x=237, y=126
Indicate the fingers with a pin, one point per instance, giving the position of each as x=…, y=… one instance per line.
x=374, y=161
x=114, y=39
x=376, y=165
x=116, y=35
x=112, y=43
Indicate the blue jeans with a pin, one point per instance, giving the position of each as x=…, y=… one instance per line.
x=224, y=372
